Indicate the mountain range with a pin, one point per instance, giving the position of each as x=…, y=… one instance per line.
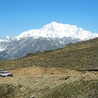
x=50, y=37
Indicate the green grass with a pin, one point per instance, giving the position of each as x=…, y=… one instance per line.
x=14, y=91
x=78, y=89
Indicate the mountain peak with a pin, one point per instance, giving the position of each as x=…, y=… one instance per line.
x=58, y=30
x=53, y=23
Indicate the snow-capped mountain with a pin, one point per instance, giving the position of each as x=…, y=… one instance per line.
x=58, y=30
x=51, y=36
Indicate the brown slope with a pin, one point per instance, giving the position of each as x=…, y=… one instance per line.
x=75, y=56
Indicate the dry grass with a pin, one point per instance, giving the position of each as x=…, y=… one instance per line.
x=39, y=80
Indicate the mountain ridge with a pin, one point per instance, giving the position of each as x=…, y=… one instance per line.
x=50, y=37
x=58, y=30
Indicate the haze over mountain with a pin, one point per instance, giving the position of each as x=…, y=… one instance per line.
x=49, y=37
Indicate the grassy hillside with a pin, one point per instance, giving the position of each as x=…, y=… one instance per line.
x=75, y=56
x=78, y=89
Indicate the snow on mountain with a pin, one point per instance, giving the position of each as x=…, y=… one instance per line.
x=1, y=49
x=50, y=37
x=4, y=42
x=58, y=30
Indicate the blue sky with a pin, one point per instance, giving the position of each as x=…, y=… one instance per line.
x=17, y=16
